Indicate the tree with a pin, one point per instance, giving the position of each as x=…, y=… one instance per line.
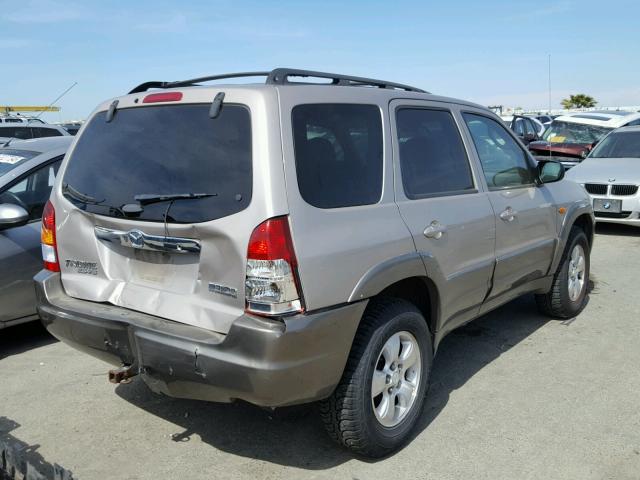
x=579, y=100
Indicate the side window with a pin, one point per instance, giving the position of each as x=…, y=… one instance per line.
x=23, y=133
x=503, y=161
x=433, y=159
x=338, y=154
x=33, y=191
x=39, y=132
x=635, y=122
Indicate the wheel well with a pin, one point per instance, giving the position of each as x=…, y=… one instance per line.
x=420, y=291
x=584, y=222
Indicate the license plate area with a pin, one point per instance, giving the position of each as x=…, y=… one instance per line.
x=607, y=205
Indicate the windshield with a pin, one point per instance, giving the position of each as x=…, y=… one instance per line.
x=618, y=145
x=568, y=132
x=164, y=150
x=10, y=158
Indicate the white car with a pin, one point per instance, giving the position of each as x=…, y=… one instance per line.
x=611, y=176
x=26, y=131
x=13, y=119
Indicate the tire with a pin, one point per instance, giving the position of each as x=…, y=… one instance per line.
x=559, y=302
x=349, y=414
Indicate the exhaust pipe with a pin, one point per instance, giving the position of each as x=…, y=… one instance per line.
x=122, y=374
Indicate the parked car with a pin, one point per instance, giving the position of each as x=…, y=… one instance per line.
x=27, y=171
x=72, y=128
x=526, y=128
x=611, y=175
x=545, y=120
x=570, y=138
x=29, y=130
x=540, y=127
x=15, y=119
x=288, y=243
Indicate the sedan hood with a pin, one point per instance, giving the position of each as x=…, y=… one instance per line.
x=607, y=170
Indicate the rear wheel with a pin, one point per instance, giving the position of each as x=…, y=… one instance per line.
x=382, y=391
x=568, y=294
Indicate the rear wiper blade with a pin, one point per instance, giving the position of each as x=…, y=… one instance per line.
x=149, y=198
x=79, y=196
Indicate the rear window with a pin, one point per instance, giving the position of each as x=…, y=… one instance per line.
x=10, y=158
x=164, y=150
x=338, y=154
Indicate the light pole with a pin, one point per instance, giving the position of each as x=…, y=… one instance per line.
x=549, y=84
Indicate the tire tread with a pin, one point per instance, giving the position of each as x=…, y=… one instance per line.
x=341, y=413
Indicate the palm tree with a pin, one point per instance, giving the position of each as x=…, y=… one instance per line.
x=579, y=100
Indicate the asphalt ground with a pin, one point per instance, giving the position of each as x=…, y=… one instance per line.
x=513, y=396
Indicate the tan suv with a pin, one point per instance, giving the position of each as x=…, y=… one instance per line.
x=291, y=242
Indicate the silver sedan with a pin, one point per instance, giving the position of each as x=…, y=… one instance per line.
x=27, y=171
x=611, y=176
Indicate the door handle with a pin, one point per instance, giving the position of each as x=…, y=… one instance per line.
x=434, y=230
x=508, y=214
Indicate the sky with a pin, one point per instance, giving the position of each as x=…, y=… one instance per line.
x=492, y=52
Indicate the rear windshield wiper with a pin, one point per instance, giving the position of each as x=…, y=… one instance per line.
x=85, y=199
x=149, y=198
x=79, y=196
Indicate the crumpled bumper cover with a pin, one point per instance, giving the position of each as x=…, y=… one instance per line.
x=270, y=363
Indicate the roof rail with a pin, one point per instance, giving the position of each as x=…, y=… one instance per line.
x=280, y=76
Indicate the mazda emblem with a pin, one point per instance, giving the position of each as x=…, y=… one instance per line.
x=136, y=238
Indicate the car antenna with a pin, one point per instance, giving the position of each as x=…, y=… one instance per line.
x=52, y=103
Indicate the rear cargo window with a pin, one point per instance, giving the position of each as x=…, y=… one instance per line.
x=338, y=150
x=164, y=150
x=11, y=158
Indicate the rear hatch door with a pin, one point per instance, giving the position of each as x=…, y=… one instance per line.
x=155, y=208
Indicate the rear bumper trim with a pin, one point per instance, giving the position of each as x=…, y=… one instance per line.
x=269, y=363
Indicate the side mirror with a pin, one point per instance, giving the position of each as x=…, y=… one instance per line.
x=530, y=137
x=12, y=216
x=550, y=171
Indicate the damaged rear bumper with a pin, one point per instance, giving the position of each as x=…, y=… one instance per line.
x=269, y=363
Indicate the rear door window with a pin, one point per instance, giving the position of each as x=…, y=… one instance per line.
x=39, y=132
x=165, y=149
x=433, y=160
x=338, y=154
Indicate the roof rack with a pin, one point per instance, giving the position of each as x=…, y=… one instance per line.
x=281, y=76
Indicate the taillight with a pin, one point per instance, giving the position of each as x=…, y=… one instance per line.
x=48, y=239
x=272, y=285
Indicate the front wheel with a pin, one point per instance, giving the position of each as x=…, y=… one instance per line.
x=382, y=391
x=570, y=288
